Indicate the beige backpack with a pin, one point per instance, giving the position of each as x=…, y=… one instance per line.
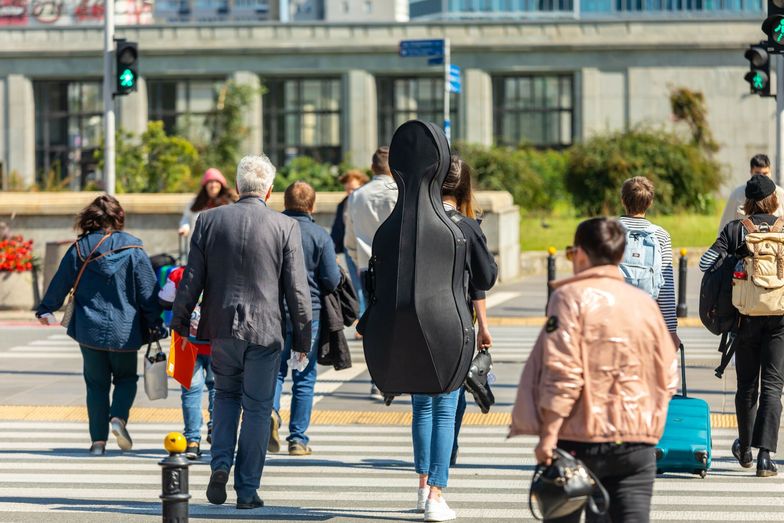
x=758, y=290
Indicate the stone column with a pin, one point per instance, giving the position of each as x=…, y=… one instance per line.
x=133, y=109
x=253, y=143
x=360, y=117
x=20, y=118
x=477, y=107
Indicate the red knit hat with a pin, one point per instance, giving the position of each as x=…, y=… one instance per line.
x=213, y=175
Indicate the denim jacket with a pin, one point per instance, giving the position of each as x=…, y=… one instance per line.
x=116, y=297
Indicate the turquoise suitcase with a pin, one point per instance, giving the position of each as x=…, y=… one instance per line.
x=685, y=445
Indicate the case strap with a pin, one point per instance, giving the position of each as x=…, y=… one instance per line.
x=749, y=226
x=778, y=225
x=86, y=260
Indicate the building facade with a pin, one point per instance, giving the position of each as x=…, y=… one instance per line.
x=337, y=91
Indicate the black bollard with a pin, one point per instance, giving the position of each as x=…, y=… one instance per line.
x=174, y=480
x=682, y=309
x=550, y=272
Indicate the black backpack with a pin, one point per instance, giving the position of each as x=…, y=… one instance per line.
x=716, y=310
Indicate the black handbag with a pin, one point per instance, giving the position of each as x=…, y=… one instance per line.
x=564, y=487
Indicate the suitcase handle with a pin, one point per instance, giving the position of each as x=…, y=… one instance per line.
x=683, y=372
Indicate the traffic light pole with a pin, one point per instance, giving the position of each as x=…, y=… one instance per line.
x=108, y=97
x=779, y=117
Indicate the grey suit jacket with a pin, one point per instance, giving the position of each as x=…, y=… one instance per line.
x=247, y=259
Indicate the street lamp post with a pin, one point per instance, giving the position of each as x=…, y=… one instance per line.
x=108, y=98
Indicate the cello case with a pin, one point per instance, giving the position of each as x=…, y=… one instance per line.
x=418, y=329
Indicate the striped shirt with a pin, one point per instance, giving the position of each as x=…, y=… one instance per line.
x=666, y=298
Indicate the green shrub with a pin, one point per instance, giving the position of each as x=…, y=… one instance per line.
x=533, y=177
x=684, y=174
x=322, y=176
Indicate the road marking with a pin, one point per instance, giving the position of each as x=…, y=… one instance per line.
x=497, y=298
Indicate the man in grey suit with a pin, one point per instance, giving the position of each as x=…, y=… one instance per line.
x=246, y=259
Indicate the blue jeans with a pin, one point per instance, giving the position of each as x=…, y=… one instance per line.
x=433, y=429
x=356, y=281
x=231, y=360
x=302, y=384
x=191, y=398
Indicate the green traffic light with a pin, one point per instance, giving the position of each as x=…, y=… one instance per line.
x=127, y=78
x=758, y=82
x=778, y=32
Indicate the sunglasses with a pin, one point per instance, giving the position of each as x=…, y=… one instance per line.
x=570, y=252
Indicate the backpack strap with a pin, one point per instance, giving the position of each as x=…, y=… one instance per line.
x=749, y=226
x=778, y=225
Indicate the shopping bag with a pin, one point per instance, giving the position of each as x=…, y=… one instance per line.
x=155, y=380
x=182, y=360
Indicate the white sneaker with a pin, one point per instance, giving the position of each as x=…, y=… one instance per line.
x=438, y=510
x=422, y=495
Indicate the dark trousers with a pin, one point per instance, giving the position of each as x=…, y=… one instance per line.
x=232, y=360
x=101, y=368
x=627, y=472
x=759, y=356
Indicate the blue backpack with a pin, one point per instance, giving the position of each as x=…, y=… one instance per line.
x=642, y=260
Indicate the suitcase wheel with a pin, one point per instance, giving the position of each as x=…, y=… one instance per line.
x=703, y=473
x=702, y=456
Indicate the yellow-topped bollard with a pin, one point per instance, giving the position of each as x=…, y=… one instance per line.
x=550, y=271
x=552, y=250
x=681, y=311
x=683, y=251
x=174, y=480
x=175, y=443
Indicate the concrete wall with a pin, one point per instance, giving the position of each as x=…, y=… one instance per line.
x=623, y=71
x=49, y=217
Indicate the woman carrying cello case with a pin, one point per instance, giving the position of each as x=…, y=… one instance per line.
x=418, y=329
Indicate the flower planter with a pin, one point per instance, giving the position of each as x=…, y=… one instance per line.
x=16, y=290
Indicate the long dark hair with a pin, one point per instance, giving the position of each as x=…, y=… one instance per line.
x=458, y=184
x=203, y=200
x=104, y=214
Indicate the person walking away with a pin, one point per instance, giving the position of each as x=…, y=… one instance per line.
x=647, y=260
x=366, y=210
x=465, y=205
x=323, y=278
x=759, y=164
x=214, y=192
x=759, y=353
x=601, y=374
x=115, y=307
x=351, y=180
x=191, y=398
x=247, y=260
x=434, y=416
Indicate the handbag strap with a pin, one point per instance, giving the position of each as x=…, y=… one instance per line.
x=537, y=472
x=86, y=260
x=149, y=348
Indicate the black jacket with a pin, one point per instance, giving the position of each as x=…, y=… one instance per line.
x=339, y=227
x=338, y=309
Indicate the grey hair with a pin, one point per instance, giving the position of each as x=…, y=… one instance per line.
x=255, y=175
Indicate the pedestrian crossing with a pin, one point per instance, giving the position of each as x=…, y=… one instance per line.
x=356, y=473
x=511, y=344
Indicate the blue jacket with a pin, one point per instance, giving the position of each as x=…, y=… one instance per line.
x=117, y=294
x=320, y=259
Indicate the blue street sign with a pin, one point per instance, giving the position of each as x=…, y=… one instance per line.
x=438, y=60
x=421, y=48
x=455, y=84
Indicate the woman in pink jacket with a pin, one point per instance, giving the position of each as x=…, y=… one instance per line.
x=601, y=374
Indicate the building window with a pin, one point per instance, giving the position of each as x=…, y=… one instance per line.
x=302, y=117
x=535, y=110
x=184, y=106
x=68, y=130
x=403, y=99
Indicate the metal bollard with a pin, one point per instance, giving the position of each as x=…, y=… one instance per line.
x=682, y=310
x=550, y=272
x=174, y=480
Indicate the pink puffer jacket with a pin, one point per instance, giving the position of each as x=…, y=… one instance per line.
x=605, y=362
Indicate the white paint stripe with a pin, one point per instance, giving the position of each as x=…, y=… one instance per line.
x=69, y=349
x=54, y=343
x=717, y=513
x=497, y=298
x=328, y=382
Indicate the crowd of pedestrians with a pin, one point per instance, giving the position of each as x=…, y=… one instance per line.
x=250, y=302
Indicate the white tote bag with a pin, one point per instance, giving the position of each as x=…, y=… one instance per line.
x=155, y=379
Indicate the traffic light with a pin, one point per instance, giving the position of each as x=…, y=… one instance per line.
x=773, y=26
x=127, y=66
x=759, y=69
